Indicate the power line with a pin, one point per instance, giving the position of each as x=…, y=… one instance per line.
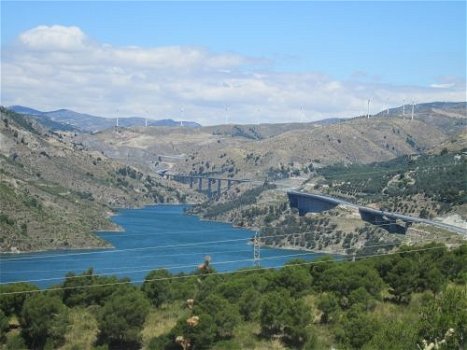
x=170, y=267
x=110, y=234
x=132, y=267
x=213, y=273
x=115, y=251
x=129, y=249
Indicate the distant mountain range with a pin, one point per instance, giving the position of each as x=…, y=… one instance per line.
x=64, y=119
x=450, y=109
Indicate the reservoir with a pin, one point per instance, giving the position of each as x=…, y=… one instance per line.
x=159, y=236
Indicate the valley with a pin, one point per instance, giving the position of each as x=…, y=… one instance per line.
x=233, y=175
x=368, y=161
x=55, y=193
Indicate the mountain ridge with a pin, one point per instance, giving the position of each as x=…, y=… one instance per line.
x=92, y=123
x=277, y=150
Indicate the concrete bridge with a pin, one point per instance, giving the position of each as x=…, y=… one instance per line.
x=215, y=186
x=392, y=222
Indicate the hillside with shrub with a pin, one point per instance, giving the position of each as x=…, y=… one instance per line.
x=423, y=185
x=405, y=300
x=54, y=192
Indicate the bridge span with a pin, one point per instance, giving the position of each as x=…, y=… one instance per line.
x=214, y=184
x=392, y=222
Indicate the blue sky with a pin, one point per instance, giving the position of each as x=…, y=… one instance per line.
x=370, y=45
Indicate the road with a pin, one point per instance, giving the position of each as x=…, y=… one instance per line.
x=406, y=218
x=289, y=189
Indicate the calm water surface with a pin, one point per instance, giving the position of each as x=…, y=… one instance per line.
x=159, y=236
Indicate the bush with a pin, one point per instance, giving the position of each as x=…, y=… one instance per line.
x=201, y=336
x=81, y=289
x=442, y=313
x=122, y=317
x=157, y=291
x=249, y=304
x=44, y=319
x=283, y=316
x=357, y=328
x=328, y=304
x=4, y=326
x=296, y=279
x=342, y=279
x=224, y=314
x=394, y=334
x=13, y=303
x=15, y=342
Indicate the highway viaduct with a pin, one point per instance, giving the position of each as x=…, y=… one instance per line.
x=392, y=222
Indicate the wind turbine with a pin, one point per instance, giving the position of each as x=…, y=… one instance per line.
x=226, y=114
x=146, y=118
x=368, y=111
x=182, y=111
x=413, y=107
x=117, y=119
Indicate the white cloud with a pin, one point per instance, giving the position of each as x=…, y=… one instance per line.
x=442, y=86
x=54, y=38
x=54, y=67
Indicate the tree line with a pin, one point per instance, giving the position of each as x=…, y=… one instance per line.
x=399, y=301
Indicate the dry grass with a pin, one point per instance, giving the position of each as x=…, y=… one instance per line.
x=432, y=234
x=82, y=332
x=311, y=300
x=160, y=321
x=247, y=337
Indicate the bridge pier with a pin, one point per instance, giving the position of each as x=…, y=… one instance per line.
x=196, y=181
x=219, y=187
x=209, y=187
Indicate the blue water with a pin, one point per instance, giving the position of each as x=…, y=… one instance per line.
x=160, y=236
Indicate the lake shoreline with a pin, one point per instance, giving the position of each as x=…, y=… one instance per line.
x=115, y=228
x=284, y=247
x=164, y=237
x=119, y=229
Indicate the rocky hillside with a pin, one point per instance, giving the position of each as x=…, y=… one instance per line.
x=54, y=192
x=275, y=151
x=426, y=185
x=340, y=231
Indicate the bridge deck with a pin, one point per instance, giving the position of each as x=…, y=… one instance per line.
x=376, y=212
